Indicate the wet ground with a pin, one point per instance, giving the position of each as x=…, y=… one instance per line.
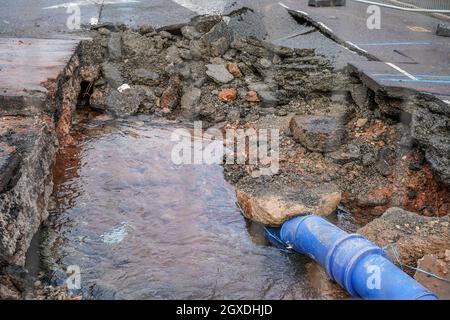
x=140, y=227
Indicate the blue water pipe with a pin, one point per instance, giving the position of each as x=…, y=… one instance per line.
x=358, y=265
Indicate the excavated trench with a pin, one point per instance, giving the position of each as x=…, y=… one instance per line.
x=139, y=226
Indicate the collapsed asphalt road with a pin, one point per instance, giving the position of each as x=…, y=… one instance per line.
x=340, y=142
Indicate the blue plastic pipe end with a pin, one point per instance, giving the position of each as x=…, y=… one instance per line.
x=351, y=260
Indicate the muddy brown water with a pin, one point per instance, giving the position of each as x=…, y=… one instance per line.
x=140, y=227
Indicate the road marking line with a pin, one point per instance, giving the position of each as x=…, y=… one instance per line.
x=302, y=12
x=401, y=70
x=324, y=26
x=283, y=5
x=355, y=46
x=411, y=80
x=394, y=43
x=415, y=75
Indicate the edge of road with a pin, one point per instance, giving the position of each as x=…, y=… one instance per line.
x=298, y=14
x=366, y=79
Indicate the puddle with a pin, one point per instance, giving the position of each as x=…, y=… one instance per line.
x=140, y=227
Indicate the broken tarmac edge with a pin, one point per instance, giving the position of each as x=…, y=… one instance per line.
x=391, y=91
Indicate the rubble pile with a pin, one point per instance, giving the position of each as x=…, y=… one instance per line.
x=339, y=142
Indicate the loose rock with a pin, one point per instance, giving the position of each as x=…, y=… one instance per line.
x=318, y=133
x=219, y=73
x=273, y=207
x=228, y=95
x=233, y=68
x=252, y=96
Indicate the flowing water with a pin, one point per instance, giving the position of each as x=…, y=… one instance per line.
x=140, y=227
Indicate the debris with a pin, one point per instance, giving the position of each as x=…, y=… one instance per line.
x=219, y=73
x=318, y=133
x=171, y=95
x=123, y=87
x=115, y=47
x=443, y=30
x=361, y=122
x=228, y=95
x=252, y=96
x=233, y=68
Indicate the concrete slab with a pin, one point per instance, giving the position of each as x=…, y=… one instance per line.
x=25, y=65
x=405, y=38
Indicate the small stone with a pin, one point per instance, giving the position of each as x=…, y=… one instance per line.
x=318, y=133
x=219, y=73
x=115, y=47
x=166, y=35
x=268, y=99
x=173, y=55
x=144, y=29
x=347, y=153
x=361, y=122
x=189, y=32
x=233, y=68
x=146, y=77
x=171, y=95
x=252, y=96
x=190, y=98
x=272, y=205
x=228, y=95
x=123, y=87
x=112, y=74
x=104, y=31
x=265, y=63
x=447, y=255
x=443, y=30
x=368, y=159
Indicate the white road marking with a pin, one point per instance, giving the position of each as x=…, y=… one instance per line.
x=283, y=5
x=302, y=12
x=89, y=3
x=355, y=46
x=204, y=6
x=324, y=26
x=401, y=70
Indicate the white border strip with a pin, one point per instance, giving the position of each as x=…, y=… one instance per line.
x=324, y=26
x=302, y=12
x=401, y=70
x=356, y=47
